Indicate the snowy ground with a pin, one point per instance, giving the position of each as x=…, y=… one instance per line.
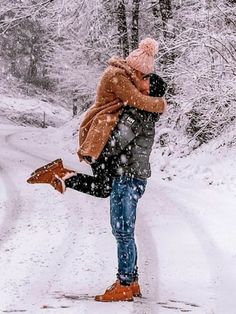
x=52, y=246
x=29, y=111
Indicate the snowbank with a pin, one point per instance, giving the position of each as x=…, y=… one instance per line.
x=31, y=112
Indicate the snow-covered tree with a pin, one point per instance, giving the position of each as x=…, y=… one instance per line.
x=69, y=43
x=23, y=40
x=203, y=72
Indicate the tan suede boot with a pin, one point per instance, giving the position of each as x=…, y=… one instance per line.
x=135, y=287
x=53, y=173
x=116, y=292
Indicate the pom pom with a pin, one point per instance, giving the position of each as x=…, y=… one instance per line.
x=149, y=46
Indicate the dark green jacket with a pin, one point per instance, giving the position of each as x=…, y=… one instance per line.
x=129, y=148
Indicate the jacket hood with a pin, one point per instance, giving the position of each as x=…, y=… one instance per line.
x=123, y=65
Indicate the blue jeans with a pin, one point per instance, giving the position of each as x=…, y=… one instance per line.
x=123, y=203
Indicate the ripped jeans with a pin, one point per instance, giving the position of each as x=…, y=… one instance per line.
x=125, y=194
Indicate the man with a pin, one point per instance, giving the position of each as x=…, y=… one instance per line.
x=130, y=145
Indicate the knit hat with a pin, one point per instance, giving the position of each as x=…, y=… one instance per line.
x=142, y=59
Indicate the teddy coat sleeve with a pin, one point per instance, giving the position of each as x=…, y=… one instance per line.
x=122, y=87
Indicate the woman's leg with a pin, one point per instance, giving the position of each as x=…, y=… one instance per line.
x=55, y=174
x=98, y=186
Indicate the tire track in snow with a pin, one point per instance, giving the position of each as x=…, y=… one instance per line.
x=14, y=153
x=214, y=257
x=43, y=285
x=21, y=150
x=148, y=261
x=12, y=205
x=218, y=264
x=149, y=254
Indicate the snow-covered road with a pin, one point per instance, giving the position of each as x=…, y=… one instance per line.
x=53, y=245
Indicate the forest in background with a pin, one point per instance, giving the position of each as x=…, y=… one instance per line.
x=61, y=47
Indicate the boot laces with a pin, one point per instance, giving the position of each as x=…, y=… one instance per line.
x=110, y=288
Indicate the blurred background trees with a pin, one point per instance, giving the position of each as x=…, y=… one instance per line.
x=63, y=46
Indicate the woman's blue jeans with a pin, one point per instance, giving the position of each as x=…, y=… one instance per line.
x=125, y=194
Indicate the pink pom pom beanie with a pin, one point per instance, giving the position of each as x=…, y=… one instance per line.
x=142, y=59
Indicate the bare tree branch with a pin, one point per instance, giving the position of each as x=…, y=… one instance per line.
x=9, y=23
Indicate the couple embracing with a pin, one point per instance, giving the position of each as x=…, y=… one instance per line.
x=116, y=138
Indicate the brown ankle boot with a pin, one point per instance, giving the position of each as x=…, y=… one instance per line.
x=116, y=292
x=53, y=173
x=135, y=287
x=55, y=166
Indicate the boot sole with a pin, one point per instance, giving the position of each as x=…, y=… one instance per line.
x=127, y=300
x=44, y=168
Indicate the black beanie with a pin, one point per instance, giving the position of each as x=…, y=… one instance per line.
x=157, y=85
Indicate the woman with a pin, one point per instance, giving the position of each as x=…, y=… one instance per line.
x=118, y=86
x=109, y=164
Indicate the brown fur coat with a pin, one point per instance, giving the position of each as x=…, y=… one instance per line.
x=118, y=86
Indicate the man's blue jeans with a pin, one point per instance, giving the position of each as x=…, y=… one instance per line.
x=124, y=198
